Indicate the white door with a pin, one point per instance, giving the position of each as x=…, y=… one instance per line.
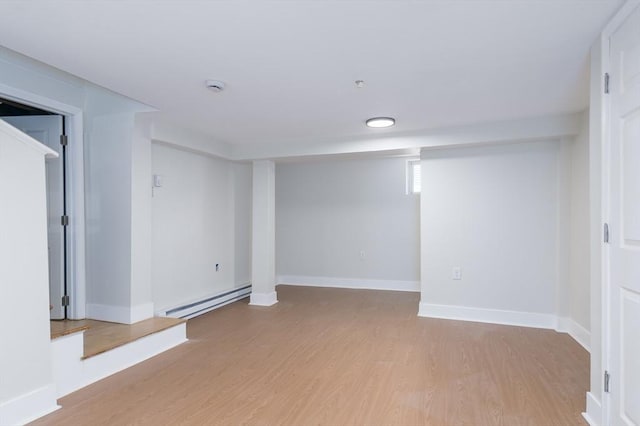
x=624, y=273
x=47, y=129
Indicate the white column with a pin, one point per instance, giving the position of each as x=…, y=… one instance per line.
x=263, y=247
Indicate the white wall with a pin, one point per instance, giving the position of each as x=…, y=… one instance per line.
x=493, y=212
x=116, y=160
x=242, y=196
x=108, y=208
x=328, y=212
x=26, y=378
x=194, y=225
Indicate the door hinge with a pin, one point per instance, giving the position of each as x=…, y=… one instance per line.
x=64, y=220
x=606, y=233
x=607, y=377
x=65, y=300
x=606, y=83
x=64, y=140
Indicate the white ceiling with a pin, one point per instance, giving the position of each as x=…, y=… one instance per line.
x=290, y=66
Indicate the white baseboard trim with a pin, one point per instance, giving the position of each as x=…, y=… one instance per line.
x=593, y=415
x=263, y=299
x=30, y=406
x=497, y=316
x=575, y=330
x=354, y=283
x=108, y=313
x=141, y=312
x=120, y=314
x=493, y=316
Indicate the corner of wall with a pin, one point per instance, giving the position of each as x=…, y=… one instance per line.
x=120, y=314
x=593, y=414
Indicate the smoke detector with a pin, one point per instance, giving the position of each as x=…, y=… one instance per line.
x=215, y=85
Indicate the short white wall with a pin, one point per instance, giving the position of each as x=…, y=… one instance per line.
x=193, y=225
x=26, y=378
x=347, y=219
x=492, y=212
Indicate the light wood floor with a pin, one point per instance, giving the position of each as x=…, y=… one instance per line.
x=343, y=357
x=102, y=336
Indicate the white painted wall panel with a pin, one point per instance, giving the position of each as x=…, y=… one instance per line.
x=193, y=226
x=328, y=212
x=108, y=209
x=493, y=212
x=26, y=376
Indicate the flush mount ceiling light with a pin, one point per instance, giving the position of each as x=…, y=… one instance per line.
x=380, y=122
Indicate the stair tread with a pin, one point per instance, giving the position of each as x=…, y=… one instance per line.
x=66, y=327
x=102, y=336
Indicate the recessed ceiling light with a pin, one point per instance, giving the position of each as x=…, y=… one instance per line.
x=381, y=122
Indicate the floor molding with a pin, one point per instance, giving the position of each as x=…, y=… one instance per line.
x=141, y=312
x=263, y=299
x=593, y=415
x=353, y=283
x=575, y=330
x=30, y=406
x=120, y=314
x=493, y=316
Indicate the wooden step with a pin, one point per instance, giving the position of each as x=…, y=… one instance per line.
x=85, y=351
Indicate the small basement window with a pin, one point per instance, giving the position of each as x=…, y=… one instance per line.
x=414, y=177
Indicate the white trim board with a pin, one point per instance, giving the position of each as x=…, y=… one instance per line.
x=29, y=406
x=593, y=415
x=575, y=330
x=353, y=283
x=120, y=314
x=263, y=299
x=492, y=316
x=503, y=317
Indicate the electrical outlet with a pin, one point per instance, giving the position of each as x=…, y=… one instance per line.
x=362, y=255
x=456, y=273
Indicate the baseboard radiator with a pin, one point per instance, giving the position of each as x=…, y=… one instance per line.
x=207, y=304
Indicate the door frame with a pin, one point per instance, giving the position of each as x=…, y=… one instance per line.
x=76, y=261
x=601, y=181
